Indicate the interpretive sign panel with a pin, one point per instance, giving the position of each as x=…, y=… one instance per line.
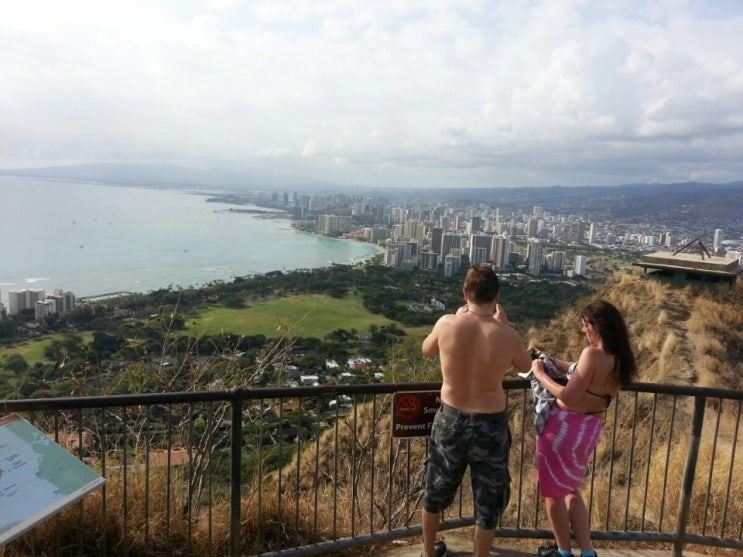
x=38, y=477
x=413, y=411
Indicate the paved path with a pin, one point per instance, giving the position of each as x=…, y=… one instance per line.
x=459, y=544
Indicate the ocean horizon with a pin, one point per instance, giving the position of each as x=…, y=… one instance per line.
x=93, y=239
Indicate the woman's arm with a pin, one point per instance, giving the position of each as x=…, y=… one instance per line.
x=573, y=392
x=561, y=365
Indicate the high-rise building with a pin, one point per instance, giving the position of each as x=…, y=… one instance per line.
x=333, y=225
x=452, y=263
x=397, y=215
x=437, y=234
x=593, y=234
x=19, y=300
x=478, y=255
x=534, y=255
x=378, y=234
x=392, y=256
x=480, y=248
x=717, y=242
x=409, y=249
x=576, y=232
x=413, y=229
x=64, y=301
x=500, y=248
x=580, y=265
x=429, y=260
x=556, y=261
x=450, y=241
x=474, y=225
x=45, y=308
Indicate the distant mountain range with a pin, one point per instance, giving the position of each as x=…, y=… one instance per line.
x=692, y=199
x=173, y=176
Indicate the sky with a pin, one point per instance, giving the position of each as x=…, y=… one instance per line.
x=385, y=93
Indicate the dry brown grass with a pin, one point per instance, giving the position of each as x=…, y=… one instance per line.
x=680, y=336
x=361, y=459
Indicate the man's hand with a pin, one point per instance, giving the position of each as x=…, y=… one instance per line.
x=463, y=309
x=500, y=315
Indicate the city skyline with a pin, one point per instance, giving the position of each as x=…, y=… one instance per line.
x=418, y=95
x=445, y=238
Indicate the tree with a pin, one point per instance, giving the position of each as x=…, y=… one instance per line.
x=339, y=336
x=16, y=363
x=104, y=345
x=54, y=350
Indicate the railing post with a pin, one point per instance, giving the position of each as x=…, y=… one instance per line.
x=689, y=472
x=235, y=475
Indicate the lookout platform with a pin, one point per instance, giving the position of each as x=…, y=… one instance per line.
x=459, y=544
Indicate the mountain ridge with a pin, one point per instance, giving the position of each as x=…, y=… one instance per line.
x=629, y=200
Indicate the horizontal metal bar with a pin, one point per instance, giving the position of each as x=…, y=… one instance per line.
x=255, y=393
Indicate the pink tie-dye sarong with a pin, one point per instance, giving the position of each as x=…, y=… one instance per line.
x=564, y=449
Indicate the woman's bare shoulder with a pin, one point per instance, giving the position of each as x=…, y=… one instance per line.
x=592, y=352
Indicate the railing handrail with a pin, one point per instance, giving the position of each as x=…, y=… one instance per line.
x=248, y=393
x=236, y=396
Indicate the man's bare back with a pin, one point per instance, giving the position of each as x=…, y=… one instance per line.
x=476, y=348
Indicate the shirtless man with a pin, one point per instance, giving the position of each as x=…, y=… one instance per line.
x=476, y=348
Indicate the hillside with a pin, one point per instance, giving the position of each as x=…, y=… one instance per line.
x=681, y=336
x=686, y=336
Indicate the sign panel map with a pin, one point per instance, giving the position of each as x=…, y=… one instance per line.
x=38, y=477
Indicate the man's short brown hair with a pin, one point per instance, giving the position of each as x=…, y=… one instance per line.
x=482, y=284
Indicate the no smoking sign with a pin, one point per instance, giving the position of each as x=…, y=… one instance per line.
x=413, y=411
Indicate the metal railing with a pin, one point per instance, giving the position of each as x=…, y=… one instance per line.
x=309, y=470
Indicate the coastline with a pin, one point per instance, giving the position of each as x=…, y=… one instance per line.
x=380, y=250
x=131, y=238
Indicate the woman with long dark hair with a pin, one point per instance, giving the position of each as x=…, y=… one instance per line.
x=575, y=421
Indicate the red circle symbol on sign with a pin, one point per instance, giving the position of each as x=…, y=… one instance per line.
x=408, y=406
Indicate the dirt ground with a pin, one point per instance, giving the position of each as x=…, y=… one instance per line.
x=459, y=544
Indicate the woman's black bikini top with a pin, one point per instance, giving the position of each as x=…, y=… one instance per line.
x=607, y=398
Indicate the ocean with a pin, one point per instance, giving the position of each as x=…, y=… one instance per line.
x=93, y=239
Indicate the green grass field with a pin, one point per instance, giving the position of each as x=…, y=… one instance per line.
x=307, y=315
x=33, y=350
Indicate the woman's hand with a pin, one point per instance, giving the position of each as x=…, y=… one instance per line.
x=537, y=366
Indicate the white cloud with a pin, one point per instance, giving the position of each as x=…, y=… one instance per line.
x=411, y=93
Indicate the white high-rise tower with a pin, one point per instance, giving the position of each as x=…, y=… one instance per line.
x=719, y=237
x=580, y=265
